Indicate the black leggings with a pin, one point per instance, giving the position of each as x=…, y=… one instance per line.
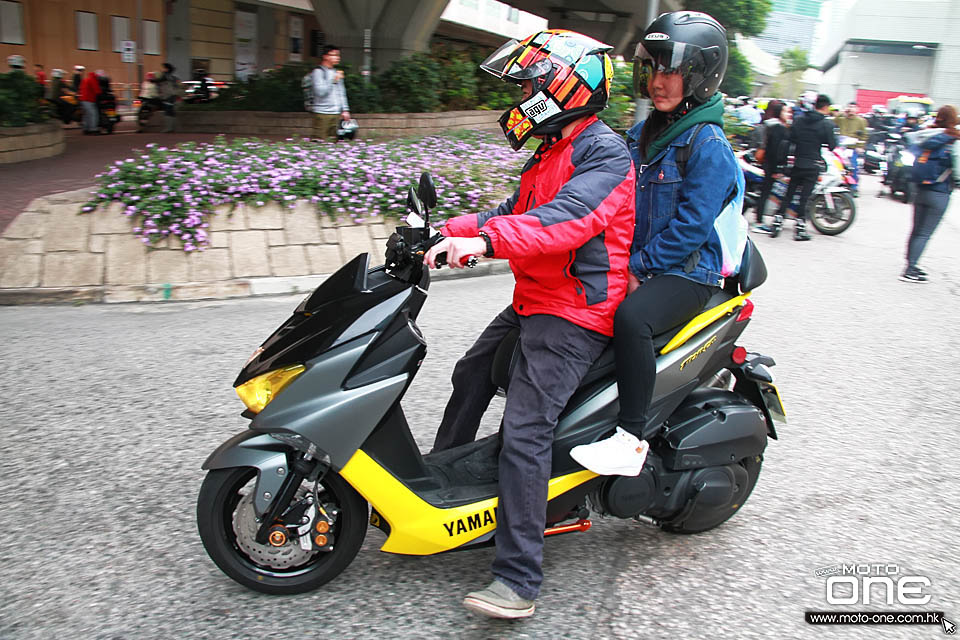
x=662, y=303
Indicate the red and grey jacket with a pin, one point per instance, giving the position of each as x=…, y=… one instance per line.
x=567, y=229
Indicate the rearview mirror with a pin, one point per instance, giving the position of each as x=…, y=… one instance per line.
x=427, y=190
x=414, y=203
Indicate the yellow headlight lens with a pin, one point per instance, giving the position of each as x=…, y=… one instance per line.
x=258, y=392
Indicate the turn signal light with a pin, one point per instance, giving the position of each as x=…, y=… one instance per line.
x=745, y=311
x=258, y=392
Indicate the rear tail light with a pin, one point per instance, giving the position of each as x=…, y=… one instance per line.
x=739, y=355
x=745, y=311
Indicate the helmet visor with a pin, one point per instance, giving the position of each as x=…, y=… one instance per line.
x=502, y=63
x=668, y=57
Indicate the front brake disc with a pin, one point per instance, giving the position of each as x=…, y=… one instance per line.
x=245, y=527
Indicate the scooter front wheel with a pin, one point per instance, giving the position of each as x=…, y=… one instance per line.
x=832, y=220
x=227, y=525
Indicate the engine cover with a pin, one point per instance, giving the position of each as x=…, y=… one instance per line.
x=625, y=496
x=713, y=428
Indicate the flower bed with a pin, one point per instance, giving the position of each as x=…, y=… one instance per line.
x=173, y=191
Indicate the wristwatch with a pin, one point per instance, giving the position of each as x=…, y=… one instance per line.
x=486, y=238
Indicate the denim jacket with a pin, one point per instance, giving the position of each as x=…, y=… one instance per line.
x=675, y=232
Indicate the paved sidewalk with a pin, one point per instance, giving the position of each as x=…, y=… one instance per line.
x=53, y=253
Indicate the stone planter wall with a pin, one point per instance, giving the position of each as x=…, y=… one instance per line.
x=298, y=124
x=33, y=142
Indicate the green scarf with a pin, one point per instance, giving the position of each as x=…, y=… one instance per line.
x=710, y=111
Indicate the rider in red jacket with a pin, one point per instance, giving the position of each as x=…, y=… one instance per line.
x=566, y=232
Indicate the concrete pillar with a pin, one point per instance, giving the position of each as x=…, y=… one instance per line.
x=177, y=28
x=396, y=28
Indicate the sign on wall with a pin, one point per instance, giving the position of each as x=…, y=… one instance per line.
x=128, y=51
x=245, y=44
x=296, y=39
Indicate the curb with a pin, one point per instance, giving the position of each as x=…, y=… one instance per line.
x=192, y=291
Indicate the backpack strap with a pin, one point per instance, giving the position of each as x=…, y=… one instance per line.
x=683, y=153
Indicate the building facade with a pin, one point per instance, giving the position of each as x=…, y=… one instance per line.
x=790, y=25
x=875, y=49
x=64, y=33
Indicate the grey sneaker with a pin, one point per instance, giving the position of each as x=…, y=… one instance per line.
x=498, y=601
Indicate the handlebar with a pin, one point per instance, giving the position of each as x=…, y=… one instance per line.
x=470, y=262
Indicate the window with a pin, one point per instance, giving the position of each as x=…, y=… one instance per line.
x=120, y=29
x=513, y=15
x=87, y=31
x=151, y=38
x=11, y=23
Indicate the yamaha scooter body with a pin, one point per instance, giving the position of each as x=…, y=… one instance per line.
x=353, y=347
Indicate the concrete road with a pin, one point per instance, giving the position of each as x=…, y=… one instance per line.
x=108, y=412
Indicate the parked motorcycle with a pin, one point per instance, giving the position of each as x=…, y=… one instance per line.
x=107, y=116
x=831, y=207
x=284, y=506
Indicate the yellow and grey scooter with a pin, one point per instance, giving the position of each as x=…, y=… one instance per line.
x=286, y=504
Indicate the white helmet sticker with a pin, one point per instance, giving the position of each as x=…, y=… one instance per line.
x=540, y=107
x=657, y=36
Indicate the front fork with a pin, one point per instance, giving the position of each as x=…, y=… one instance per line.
x=304, y=467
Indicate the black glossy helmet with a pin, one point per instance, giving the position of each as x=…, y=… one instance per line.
x=686, y=42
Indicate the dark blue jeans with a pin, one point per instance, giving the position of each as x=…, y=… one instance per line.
x=928, y=210
x=554, y=356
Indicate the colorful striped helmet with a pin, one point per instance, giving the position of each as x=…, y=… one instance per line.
x=571, y=76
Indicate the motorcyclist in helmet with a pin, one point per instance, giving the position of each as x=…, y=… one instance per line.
x=566, y=232
x=689, y=232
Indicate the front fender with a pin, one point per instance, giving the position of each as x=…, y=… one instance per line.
x=258, y=450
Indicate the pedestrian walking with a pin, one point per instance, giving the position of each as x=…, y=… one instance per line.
x=851, y=125
x=78, y=71
x=936, y=172
x=809, y=133
x=325, y=95
x=772, y=153
x=89, y=90
x=171, y=91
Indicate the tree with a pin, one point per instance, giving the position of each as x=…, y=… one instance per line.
x=747, y=17
x=793, y=60
x=738, y=81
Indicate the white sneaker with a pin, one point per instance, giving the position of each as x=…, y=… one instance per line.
x=622, y=454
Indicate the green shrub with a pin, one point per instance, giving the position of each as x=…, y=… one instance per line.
x=20, y=103
x=622, y=104
x=273, y=90
x=412, y=85
x=458, y=79
x=364, y=97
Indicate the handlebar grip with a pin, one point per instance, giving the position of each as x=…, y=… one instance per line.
x=441, y=259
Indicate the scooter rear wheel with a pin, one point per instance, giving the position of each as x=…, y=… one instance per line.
x=220, y=499
x=828, y=222
x=693, y=522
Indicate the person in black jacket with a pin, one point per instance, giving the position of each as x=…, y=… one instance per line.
x=809, y=133
x=775, y=142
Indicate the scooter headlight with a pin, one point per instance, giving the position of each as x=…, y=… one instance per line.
x=907, y=158
x=258, y=392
